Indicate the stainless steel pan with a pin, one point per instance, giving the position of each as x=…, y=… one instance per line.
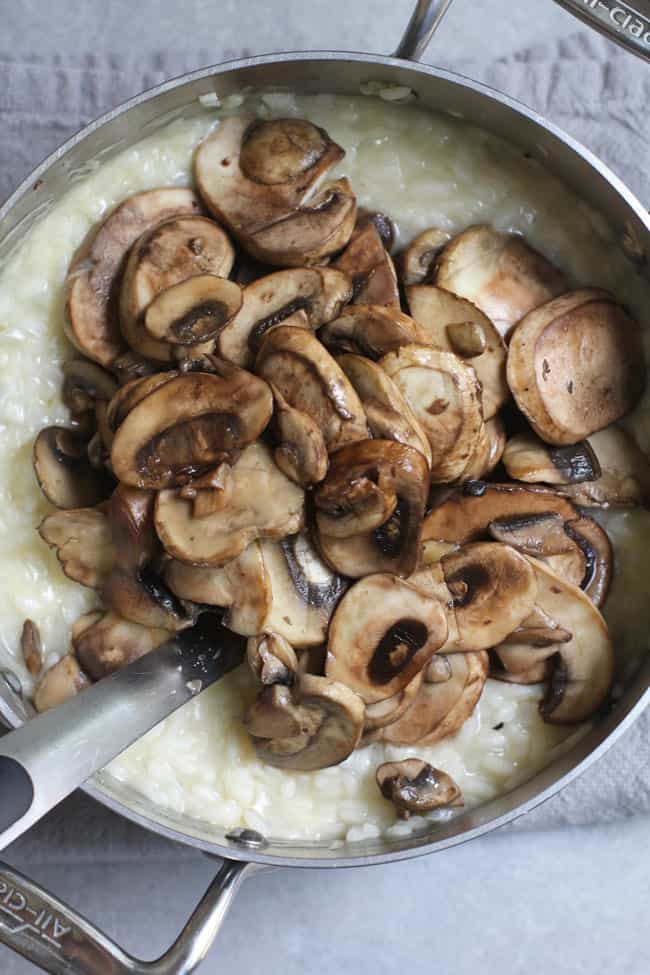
x=33, y=922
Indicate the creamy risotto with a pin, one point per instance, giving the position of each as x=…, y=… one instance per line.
x=424, y=170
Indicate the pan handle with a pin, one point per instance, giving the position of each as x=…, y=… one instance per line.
x=425, y=20
x=53, y=936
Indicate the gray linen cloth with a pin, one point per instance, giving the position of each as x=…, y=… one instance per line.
x=589, y=87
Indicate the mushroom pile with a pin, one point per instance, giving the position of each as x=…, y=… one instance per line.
x=370, y=471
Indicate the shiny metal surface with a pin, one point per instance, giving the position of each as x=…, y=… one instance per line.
x=426, y=18
x=628, y=23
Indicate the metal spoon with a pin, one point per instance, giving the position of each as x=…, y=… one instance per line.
x=50, y=756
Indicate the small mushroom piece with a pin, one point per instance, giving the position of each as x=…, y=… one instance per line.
x=59, y=683
x=32, y=647
x=142, y=597
x=537, y=673
x=383, y=632
x=382, y=223
x=85, y=384
x=306, y=375
x=414, y=786
x=315, y=724
x=416, y=263
x=444, y=394
x=301, y=453
x=194, y=311
x=371, y=331
x=272, y=659
x=386, y=712
x=84, y=544
x=575, y=365
x=527, y=458
x=456, y=325
x=130, y=527
x=111, y=642
x=263, y=504
x=493, y=589
x=500, y=273
x=302, y=296
x=487, y=452
x=185, y=426
x=389, y=415
x=64, y=472
x=370, y=268
x=95, y=270
x=209, y=493
x=130, y=394
x=369, y=508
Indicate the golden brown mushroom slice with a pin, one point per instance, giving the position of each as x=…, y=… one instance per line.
x=257, y=176
x=263, y=503
x=142, y=597
x=488, y=451
x=130, y=521
x=414, y=786
x=64, y=472
x=416, y=263
x=370, y=268
x=166, y=255
x=314, y=724
x=575, y=365
x=456, y=325
x=534, y=673
x=58, y=684
x=272, y=659
x=84, y=385
x=111, y=642
x=31, y=646
x=194, y=311
x=302, y=296
x=187, y=425
x=301, y=452
x=389, y=415
x=371, y=331
x=95, y=269
x=301, y=368
x=384, y=631
x=500, y=273
x=369, y=508
x=388, y=710
x=444, y=394
x=84, y=544
x=130, y=394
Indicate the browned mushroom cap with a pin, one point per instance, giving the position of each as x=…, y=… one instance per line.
x=64, y=472
x=387, y=711
x=315, y=724
x=31, y=646
x=606, y=469
x=371, y=331
x=301, y=453
x=172, y=251
x=263, y=504
x=95, y=269
x=575, y=365
x=444, y=394
x=84, y=544
x=85, y=384
x=132, y=393
x=493, y=589
x=414, y=786
x=186, y=425
x=142, y=597
x=416, y=263
x=306, y=297
x=488, y=451
x=368, y=264
x=59, y=683
x=389, y=415
x=256, y=176
x=370, y=506
x=194, y=311
x=111, y=642
x=306, y=375
x=272, y=659
x=500, y=273
x=131, y=528
x=456, y=325
x=384, y=631
x=442, y=707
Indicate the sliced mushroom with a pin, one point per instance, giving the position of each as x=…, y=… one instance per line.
x=84, y=544
x=85, y=384
x=371, y=331
x=382, y=223
x=527, y=458
x=272, y=659
x=32, y=647
x=416, y=263
x=130, y=365
x=387, y=711
x=315, y=724
x=97, y=265
x=444, y=394
x=389, y=415
x=384, y=631
x=64, y=472
x=111, y=642
x=301, y=453
x=536, y=673
x=306, y=375
x=575, y=365
x=142, y=597
x=370, y=506
x=487, y=452
x=59, y=683
x=441, y=708
x=414, y=786
x=185, y=426
x=305, y=297
x=130, y=394
x=194, y=311
x=538, y=631
x=211, y=492
x=456, y=325
x=130, y=526
x=256, y=176
x=368, y=264
x=263, y=504
x=500, y=273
